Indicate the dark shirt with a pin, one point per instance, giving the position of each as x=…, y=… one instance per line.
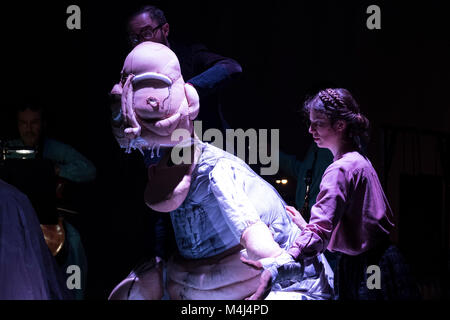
x=208, y=72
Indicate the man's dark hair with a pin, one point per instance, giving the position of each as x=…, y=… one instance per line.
x=32, y=107
x=36, y=107
x=155, y=14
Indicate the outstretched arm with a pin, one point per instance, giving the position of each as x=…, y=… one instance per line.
x=212, y=70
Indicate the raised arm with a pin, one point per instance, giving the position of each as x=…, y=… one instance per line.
x=212, y=70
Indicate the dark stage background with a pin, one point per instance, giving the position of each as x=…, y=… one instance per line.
x=287, y=50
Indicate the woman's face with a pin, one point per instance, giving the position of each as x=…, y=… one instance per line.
x=324, y=134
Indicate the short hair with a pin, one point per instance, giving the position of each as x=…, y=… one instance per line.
x=35, y=107
x=32, y=107
x=154, y=12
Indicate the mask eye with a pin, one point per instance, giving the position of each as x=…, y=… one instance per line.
x=153, y=102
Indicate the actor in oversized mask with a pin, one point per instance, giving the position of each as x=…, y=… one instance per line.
x=222, y=212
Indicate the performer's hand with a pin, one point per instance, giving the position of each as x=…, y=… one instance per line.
x=296, y=217
x=265, y=281
x=257, y=265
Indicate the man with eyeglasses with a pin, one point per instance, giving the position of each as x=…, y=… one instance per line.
x=141, y=27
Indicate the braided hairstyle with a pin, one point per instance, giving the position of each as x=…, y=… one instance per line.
x=339, y=104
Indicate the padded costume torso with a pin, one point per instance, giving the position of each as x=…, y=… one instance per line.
x=205, y=227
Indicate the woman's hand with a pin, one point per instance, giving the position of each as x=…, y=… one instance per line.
x=296, y=217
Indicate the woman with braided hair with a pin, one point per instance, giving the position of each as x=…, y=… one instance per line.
x=351, y=215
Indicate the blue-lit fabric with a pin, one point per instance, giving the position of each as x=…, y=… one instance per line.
x=226, y=197
x=28, y=271
x=73, y=165
x=152, y=157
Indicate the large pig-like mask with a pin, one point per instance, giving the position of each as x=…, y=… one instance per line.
x=155, y=101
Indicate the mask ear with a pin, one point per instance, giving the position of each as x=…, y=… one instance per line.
x=193, y=101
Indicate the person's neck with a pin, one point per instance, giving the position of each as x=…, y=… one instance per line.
x=339, y=150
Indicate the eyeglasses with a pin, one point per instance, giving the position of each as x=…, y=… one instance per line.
x=146, y=34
